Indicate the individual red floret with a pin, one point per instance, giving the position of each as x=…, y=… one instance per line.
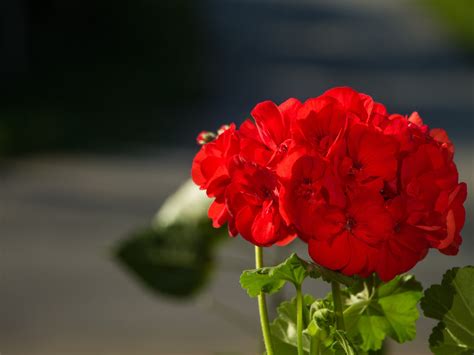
x=252, y=199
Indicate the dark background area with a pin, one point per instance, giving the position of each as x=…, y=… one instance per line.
x=94, y=74
x=121, y=75
x=100, y=103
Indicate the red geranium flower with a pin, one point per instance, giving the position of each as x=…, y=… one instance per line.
x=367, y=190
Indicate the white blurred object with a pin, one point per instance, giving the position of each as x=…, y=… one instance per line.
x=187, y=205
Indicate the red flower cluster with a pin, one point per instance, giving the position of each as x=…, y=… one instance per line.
x=366, y=190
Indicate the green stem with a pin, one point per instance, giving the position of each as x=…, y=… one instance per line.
x=338, y=310
x=314, y=348
x=262, y=307
x=299, y=319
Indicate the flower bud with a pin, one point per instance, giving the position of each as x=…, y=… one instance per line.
x=205, y=137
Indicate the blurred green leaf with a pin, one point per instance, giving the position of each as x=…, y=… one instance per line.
x=175, y=262
x=452, y=303
x=175, y=255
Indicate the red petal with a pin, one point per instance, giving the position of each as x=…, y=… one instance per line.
x=334, y=254
x=349, y=99
x=270, y=123
x=218, y=213
x=196, y=172
x=358, y=258
x=265, y=225
x=286, y=240
x=243, y=222
x=289, y=109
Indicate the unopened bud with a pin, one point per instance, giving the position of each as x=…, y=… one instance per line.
x=205, y=137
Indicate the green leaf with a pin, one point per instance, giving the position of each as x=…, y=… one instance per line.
x=322, y=314
x=319, y=327
x=330, y=275
x=272, y=279
x=331, y=340
x=293, y=270
x=260, y=280
x=384, y=309
x=342, y=344
x=175, y=255
x=282, y=348
x=452, y=303
x=176, y=261
x=443, y=342
x=283, y=327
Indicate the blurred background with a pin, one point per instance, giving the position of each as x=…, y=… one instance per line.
x=100, y=103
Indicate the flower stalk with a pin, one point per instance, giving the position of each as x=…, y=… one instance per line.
x=262, y=307
x=338, y=310
x=299, y=319
x=315, y=344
